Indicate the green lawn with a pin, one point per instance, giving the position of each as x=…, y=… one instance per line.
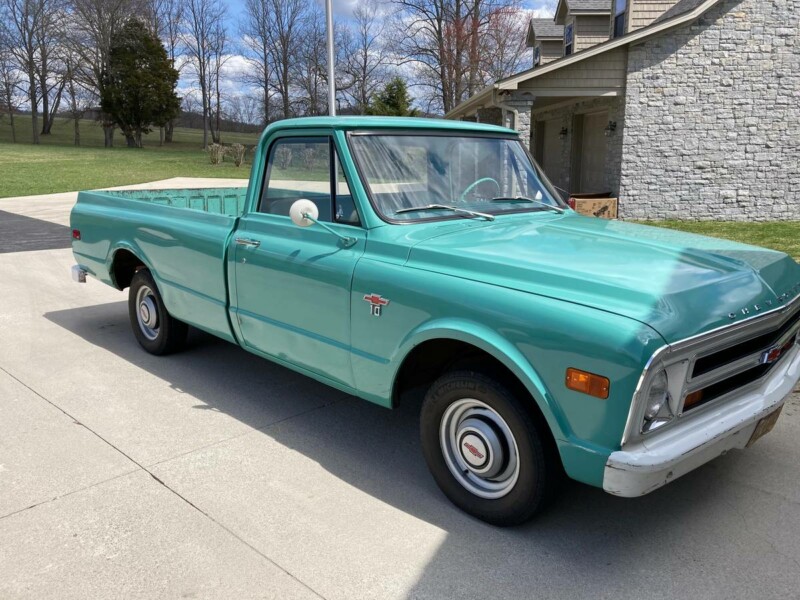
x=58, y=166
x=779, y=235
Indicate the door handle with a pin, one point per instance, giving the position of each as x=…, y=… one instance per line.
x=248, y=242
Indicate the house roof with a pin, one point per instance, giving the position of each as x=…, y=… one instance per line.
x=581, y=7
x=589, y=5
x=689, y=11
x=545, y=28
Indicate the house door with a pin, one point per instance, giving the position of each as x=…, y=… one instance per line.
x=593, y=153
x=551, y=151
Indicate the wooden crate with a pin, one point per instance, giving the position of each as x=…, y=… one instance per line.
x=603, y=208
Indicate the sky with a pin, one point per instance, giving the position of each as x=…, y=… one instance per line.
x=344, y=8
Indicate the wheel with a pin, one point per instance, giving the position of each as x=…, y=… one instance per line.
x=155, y=329
x=489, y=455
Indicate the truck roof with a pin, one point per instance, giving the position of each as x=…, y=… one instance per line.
x=368, y=122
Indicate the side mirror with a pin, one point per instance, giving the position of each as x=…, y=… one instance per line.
x=304, y=213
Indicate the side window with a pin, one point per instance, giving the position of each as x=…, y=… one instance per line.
x=298, y=168
x=345, y=205
x=301, y=168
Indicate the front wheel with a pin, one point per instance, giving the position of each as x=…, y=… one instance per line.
x=155, y=329
x=489, y=455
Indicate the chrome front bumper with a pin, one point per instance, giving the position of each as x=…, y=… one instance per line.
x=650, y=463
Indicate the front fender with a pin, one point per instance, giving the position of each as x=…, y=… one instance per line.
x=498, y=347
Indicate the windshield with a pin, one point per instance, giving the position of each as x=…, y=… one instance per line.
x=427, y=176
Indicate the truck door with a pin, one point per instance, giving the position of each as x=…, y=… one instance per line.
x=292, y=284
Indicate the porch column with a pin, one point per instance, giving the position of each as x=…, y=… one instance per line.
x=521, y=104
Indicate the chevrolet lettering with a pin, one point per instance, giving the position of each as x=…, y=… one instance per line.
x=387, y=256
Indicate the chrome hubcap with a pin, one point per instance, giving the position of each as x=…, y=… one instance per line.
x=479, y=448
x=147, y=313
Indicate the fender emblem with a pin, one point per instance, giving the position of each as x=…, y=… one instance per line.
x=376, y=302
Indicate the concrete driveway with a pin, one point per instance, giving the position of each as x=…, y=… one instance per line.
x=215, y=474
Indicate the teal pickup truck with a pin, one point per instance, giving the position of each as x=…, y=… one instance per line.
x=383, y=256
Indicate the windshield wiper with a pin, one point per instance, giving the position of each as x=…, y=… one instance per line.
x=558, y=209
x=471, y=213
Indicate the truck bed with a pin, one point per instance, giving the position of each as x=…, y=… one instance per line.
x=181, y=235
x=217, y=201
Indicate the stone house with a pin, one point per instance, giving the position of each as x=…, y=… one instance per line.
x=686, y=109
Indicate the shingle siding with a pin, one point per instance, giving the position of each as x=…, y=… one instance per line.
x=644, y=12
x=712, y=117
x=590, y=31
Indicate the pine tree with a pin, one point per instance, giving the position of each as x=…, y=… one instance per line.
x=393, y=101
x=140, y=81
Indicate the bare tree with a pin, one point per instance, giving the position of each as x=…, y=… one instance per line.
x=310, y=69
x=79, y=98
x=503, y=50
x=92, y=28
x=165, y=17
x=202, y=19
x=49, y=37
x=20, y=20
x=284, y=30
x=11, y=82
x=254, y=29
x=218, y=43
x=446, y=40
x=367, y=58
x=244, y=109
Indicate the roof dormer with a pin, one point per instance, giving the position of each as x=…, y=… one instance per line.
x=585, y=23
x=547, y=40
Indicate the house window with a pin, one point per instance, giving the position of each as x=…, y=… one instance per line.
x=619, y=17
x=568, y=39
x=537, y=56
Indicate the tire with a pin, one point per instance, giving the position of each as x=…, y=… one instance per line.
x=470, y=425
x=155, y=329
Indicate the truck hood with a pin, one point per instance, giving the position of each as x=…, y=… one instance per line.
x=680, y=284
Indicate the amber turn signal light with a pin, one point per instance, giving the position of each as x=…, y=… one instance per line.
x=588, y=383
x=692, y=399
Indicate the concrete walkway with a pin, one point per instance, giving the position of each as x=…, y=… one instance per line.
x=215, y=474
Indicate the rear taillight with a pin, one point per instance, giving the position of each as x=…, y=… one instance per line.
x=76, y=234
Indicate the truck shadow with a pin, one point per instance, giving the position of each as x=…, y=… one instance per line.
x=587, y=541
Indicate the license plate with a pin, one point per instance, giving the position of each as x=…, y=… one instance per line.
x=764, y=426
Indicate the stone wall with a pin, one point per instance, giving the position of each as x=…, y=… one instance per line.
x=565, y=116
x=713, y=117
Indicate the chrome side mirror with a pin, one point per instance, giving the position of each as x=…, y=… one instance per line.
x=304, y=213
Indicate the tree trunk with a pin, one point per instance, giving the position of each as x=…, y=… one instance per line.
x=13, y=127
x=108, y=135
x=130, y=140
x=160, y=136
x=34, y=108
x=169, y=130
x=45, y=111
x=77, y=128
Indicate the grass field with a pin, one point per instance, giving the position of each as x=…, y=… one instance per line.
x=778, y=235
x=57, y=166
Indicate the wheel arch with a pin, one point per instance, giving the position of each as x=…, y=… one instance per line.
x=124, y=261
x=430, y=351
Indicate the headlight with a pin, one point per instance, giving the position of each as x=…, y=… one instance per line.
x=657, y=411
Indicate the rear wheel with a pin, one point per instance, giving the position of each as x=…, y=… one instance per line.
x=489, y=455
x=155, y=329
